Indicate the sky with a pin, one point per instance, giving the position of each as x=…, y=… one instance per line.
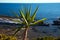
x=29, y=1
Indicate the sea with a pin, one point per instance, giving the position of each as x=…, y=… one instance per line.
x=51, y=11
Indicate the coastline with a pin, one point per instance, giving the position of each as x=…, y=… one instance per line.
x=3, y=16
x=8, y=19
x=7, y=29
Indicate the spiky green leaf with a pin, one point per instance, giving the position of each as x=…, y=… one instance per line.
x=38, y=21
x=34, y=14
x=29, y=17
x=22, y=14
x=17, y=20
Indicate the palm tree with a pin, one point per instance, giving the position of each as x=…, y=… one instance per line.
x=27, y=20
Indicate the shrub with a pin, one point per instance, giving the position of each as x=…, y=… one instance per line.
x=5, y=37
x=57, y=38
x=45, y=38
x=49, y=38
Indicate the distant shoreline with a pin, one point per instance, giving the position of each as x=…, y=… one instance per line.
x=2, y=16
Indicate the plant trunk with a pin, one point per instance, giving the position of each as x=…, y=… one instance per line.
x=25, y=34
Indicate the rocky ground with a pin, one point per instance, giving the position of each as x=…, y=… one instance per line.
x=9, y=31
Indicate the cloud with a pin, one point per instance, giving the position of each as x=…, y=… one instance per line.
x=29, y=1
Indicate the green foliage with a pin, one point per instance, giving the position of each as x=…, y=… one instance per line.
x=22, y=14
x=58, y=38
x=38, y=21
x=28, y=20
x=49, y=38
x=5, y=37
x=45, y=38
x=34, y=14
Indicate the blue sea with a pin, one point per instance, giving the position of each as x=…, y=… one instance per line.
x=51, y=11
